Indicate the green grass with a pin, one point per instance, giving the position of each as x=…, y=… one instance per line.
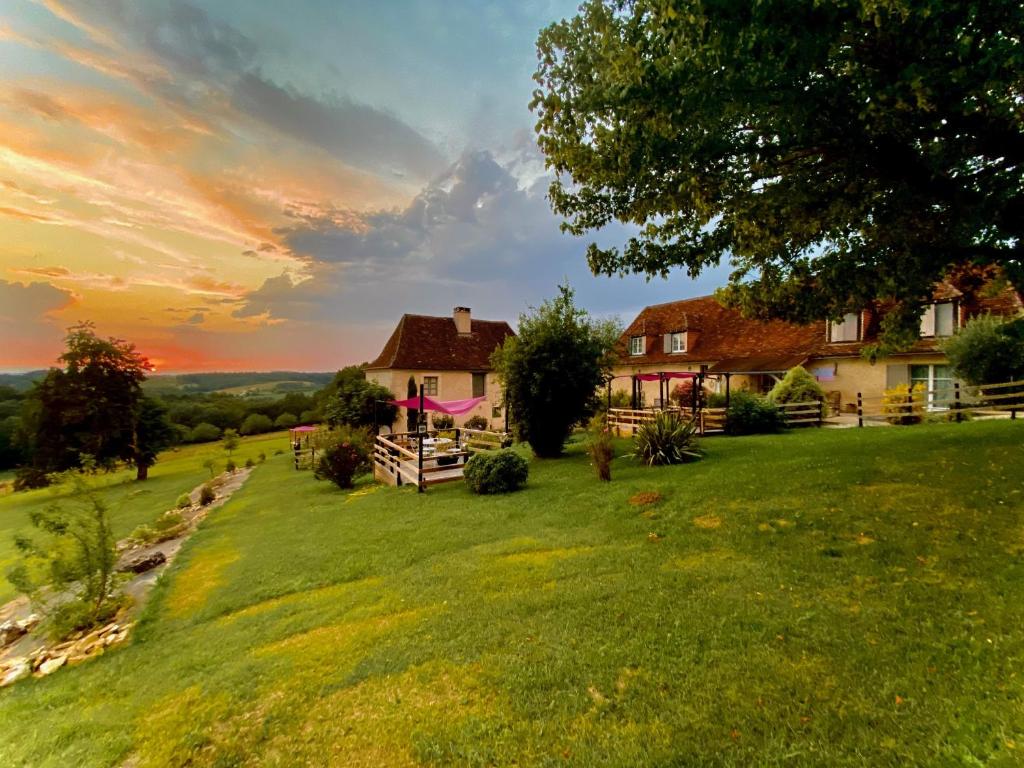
x=841, y=598
x=131, y=503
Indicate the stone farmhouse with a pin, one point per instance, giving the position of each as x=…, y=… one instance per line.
x=701, y=334
x=449, y=356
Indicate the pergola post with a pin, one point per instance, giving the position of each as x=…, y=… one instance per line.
x=727, y=377
x=420, y=433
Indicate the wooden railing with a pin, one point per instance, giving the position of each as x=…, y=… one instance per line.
x=956, y=401
x=625, y=421
x=398, y=460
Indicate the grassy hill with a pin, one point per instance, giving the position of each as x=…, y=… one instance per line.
x=263, y=383
x=840, y=598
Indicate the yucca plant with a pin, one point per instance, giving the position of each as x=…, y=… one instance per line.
x=667, y=439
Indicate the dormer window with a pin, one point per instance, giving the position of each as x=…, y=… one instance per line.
x=847, y=329
x=677, y=342
x=939, y=319
x=636, y=345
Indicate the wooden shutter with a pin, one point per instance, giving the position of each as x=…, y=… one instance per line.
x=896, y=374
x=667, y=342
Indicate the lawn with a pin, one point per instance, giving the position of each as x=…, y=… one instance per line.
x=131, y=503
x=831, y=597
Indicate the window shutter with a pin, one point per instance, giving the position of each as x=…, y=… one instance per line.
x=928, y=321
x=896, y=374
x=667, y=339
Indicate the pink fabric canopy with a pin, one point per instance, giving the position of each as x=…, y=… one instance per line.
x=453, y=407
x=302, y=429
x=666, y=375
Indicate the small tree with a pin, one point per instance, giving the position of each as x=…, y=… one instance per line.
x=230, y=440
x=552, y=370
x=411, y=414
x=987, y=350
x=211, y=466
x=286, y=421
x=600, y=447
x=204, y=433
x=358, y=402
x=76, y=553
x=153, y=433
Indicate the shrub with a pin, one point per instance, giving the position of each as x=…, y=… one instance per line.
x=263, y=457
x=903, y=405
x=206, y=495
x=716, y=400
x=750, y=414
x=249, y=463
x=347, y=454
x=476, y=422
x=442, y=421
x=184, y=501
x=256, y=423
x=600, y=448
x=667, y=439
x=987, y=350
x=28, y=478
x=230, y=441
x=496, y=472
x=205, y=433
x=211, y=466
x=230, y=466
x=279, y=451
x=75, y=554
x=168, y=526
x=797, y=386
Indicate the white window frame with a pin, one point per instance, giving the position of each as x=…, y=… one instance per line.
x=437, y=386
x=930, y=390
x=841, y=325
x=678, y=342
x=636, y=345
x=929, y=320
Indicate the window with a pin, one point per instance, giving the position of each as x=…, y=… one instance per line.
x=479, y=384
x=678, y=342
x=847, y=329
x=430, y=385
x=938, y=383
x=939, y=319
x=636, y=345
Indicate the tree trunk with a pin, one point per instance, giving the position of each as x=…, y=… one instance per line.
x=143, y=472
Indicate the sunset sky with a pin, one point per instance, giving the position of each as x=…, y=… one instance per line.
x=236, y=185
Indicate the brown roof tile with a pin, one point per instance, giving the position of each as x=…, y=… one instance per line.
x=422, y=342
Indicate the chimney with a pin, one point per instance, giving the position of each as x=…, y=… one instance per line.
x=463, y=324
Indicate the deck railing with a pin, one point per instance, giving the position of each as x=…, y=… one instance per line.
x=625, y=421
x=399, y=459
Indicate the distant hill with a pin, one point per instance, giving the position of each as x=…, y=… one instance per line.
x=244, y=384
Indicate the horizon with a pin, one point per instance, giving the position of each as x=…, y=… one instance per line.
x=234, y=188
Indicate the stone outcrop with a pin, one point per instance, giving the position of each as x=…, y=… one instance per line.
x=144, y=563
x=47, y=660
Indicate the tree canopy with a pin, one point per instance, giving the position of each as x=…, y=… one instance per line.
x=551, y=370
x=836, y=153
x=987, y=350
x=356, y=401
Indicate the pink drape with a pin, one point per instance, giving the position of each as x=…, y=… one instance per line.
x=453, y=407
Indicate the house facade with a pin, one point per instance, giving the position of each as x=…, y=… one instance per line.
x=701, y=335
x=449, y=356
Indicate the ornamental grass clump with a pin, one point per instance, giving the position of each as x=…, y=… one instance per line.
x=667, y=439
x=600, y=448
x=496, y=472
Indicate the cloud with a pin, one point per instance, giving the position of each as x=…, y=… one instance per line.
x=477, y=235
x=27, y=326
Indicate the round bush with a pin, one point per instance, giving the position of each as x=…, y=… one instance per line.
x=797, y=386
x=249, y=463
x=205, y=433
x=442, y=421
x=230, y=466
x=184, y=501
x=342, y=461
x=497, y=472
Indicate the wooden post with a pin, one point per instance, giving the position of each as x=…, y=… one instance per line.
x=860, y=410
x=956, y=400
x=727, y=377
x=632, y=400
x=609, y=409
x=694, y=383
x=422, y=417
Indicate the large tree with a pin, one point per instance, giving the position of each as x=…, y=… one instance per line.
x=358, y=402
x=836, y=152
x=90, y=407
x=551, y=370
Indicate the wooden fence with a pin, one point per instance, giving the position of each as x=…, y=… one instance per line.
x=711, y=420
x=429, y=458
x=955, y=402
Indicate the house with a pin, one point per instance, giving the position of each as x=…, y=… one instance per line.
x=702, y=335
x=449, y=356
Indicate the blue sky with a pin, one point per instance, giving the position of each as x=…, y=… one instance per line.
x=240, y=185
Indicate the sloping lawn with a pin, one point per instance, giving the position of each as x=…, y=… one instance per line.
x=841, y=598
x=131, y=503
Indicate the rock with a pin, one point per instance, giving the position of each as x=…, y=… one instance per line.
x=17, y=669
x=52, y=665
x=108, y=629
x=30, y=622
x=10, y=631
x=143, y=564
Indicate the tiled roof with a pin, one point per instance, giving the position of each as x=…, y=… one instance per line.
x=422, y=342
x=717, y=333
x=722, y=335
